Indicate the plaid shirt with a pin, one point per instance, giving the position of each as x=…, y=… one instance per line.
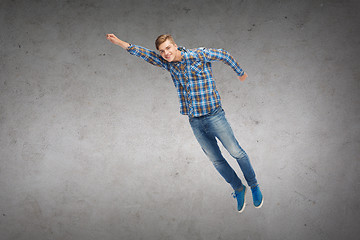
x=192, y=76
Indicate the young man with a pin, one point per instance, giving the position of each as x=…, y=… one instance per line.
x=192, y=75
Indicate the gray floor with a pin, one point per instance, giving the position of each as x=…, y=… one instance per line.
x=92, y=145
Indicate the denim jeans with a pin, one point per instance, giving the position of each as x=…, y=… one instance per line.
x=214, y=126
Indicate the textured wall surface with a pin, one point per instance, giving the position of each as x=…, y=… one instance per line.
x=92, y=145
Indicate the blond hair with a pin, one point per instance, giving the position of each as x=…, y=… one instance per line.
x=162, y=38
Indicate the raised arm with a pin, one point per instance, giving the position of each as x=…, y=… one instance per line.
x=112, y=38
x=146, y=54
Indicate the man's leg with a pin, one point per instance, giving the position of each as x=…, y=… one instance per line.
x=210, y=147
x=221, y=129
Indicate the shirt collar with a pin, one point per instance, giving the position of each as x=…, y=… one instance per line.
x=183, y=50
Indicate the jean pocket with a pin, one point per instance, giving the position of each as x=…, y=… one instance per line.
x=216, y=111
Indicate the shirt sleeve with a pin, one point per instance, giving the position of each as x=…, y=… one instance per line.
x=148, y=55
x=211, y=54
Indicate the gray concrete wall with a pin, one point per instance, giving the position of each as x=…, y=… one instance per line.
x=92, y=145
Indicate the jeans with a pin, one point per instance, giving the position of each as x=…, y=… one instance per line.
x=214, y=126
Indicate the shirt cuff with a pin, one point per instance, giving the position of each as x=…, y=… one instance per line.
x=129, y=47
x=241, y=73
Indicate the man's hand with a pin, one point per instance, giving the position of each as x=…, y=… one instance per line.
x=112, y=38
x=243, y=77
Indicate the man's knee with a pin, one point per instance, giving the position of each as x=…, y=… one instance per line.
x=239, y=155
x=218, y=161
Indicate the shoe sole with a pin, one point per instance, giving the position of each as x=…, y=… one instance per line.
x=262, y=201
x=243, y=208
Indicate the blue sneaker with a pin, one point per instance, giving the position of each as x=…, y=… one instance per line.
x=240, y=197
x=257, y=196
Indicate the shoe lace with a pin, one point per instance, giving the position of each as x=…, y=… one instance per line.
x=234, y=195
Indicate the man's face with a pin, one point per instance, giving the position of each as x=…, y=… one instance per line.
x=168, y=50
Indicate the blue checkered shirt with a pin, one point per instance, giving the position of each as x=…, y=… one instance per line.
x=192, y=76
